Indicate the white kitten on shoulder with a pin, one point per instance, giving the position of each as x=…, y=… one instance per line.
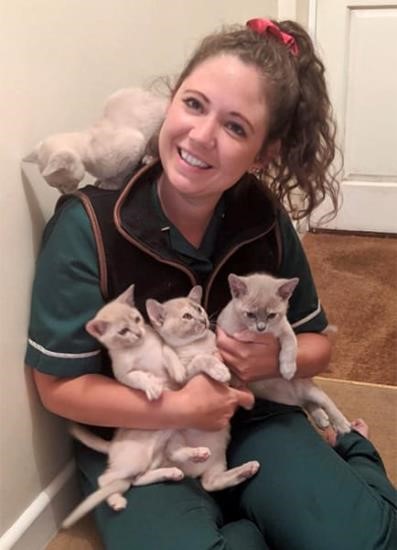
x=110, y=149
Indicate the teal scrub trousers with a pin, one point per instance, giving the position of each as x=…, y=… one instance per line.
x=306, y=495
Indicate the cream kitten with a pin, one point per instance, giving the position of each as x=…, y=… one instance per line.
x=141, y=360
x=183, y=324
x=110, y=149
x=259, y=304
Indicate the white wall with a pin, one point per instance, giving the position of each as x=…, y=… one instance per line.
x=59, y=60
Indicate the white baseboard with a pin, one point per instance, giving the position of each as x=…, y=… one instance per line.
x=40, y=521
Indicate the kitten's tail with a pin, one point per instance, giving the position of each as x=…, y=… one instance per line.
x=89, y=439
x=95, y=498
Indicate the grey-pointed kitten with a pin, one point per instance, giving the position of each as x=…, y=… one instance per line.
x=259, y=304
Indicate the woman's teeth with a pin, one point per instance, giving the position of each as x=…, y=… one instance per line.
x=192, y=161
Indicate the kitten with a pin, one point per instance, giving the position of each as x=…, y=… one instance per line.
x=259, y=304
x=110, y=149
x=183, y=324
x=141, y=360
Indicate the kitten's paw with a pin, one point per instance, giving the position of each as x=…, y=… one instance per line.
x=341, y=426
x=200, y=454
x=287, y=369
x=175, y=474
x=248, y=469
x=320, y=418
x=117, y=502
x=179, y=376
x=153, y=389
x=219, y=372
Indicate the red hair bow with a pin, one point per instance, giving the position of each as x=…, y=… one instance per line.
x=261, y=26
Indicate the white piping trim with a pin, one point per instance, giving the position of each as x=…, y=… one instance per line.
x=308, y=317
x=26, y=519
x=62, y=355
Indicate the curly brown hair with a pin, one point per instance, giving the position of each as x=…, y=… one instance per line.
x=301, y=114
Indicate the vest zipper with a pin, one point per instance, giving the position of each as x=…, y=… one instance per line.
x=177, y=265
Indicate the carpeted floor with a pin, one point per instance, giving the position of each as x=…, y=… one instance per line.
x=356, y=278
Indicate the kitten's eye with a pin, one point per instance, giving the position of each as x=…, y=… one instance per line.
x=187, y=316
x=271, y=315
x=250, y=315
x=137, y=319
x=124, y=331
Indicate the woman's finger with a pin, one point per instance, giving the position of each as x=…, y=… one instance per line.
x=254, y=337
x=245, y=397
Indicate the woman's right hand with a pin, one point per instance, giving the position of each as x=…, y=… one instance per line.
x=209, y=405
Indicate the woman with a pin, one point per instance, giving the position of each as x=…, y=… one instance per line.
x=250, y=106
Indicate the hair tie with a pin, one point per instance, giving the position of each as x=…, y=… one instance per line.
x=262, y=26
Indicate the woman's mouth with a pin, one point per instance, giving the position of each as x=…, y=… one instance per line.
x=191, y=160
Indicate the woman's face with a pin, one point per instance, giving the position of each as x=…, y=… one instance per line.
x=214, y=128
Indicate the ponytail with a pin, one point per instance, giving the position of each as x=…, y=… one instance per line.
x=307, y=149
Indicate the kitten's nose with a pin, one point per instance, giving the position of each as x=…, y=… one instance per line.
x=261, y=327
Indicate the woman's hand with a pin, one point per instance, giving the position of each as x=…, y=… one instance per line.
x=205, y=404
x=251, y=356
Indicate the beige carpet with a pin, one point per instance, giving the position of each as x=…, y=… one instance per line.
x=356, y=277
x=82, y=536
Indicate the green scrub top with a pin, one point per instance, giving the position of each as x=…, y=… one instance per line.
x=66, y=291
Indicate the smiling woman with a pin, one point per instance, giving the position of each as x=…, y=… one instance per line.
x=209, y=139
x=250, y=97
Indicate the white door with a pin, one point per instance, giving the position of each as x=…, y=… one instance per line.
x=358, y=43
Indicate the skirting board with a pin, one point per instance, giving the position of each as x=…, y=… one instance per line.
x=40, y=521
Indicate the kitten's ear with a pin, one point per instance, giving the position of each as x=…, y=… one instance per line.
x=196, y=294
x=33, y=156
x=156, y=312
x=64, y=161
x=287, y=288
x=96, y=328
x=237, y=286
x=127, y=297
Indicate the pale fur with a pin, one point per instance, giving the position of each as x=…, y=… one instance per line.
x=143, y=361
x=195, y=346
x=108, y=150
x=253, y=298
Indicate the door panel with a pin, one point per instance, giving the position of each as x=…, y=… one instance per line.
x=357, y=41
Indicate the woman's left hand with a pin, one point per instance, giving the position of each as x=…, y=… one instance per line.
x=251, y=356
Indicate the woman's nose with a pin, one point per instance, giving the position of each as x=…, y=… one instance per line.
x=204, y=131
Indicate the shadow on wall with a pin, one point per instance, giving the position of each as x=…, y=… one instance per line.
x=51, y=444
x=36, y=212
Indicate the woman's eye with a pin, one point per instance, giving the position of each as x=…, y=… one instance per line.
x=187, y=316
x=236, y=128
x=124, y=331
x=192, y=103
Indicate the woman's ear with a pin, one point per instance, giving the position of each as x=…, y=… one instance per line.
x=271, y=151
